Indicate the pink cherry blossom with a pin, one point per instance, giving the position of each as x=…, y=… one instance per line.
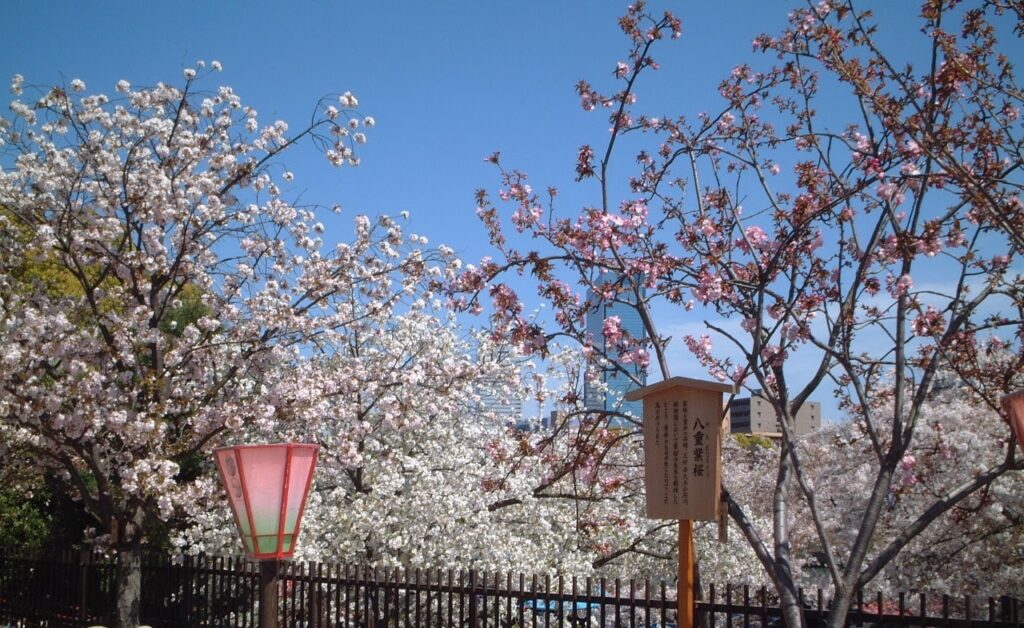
x=612, y=330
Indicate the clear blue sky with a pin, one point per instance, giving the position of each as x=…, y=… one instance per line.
x=448, y=83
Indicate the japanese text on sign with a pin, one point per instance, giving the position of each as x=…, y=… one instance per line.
x=682, y=432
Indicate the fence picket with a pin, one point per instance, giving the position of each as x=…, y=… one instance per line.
x=533, y=609
x=451, y=594
x=746, y=603
x=728, y=605
x=547, y=600
x=618, y=607
x=664, y=605
x=764, y=605
x=560, y=605
x=509, y=597
x=482, y=608
x=522, y=597
x=632, y=603
x=711, y=598
x=497, y=599
x=417, y=597
x=647, y=603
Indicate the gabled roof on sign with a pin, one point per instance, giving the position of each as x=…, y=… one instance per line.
x=678, y=382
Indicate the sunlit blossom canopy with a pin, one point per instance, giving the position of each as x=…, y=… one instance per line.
x=267, y=487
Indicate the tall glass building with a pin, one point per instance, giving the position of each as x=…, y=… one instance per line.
x=617, y=383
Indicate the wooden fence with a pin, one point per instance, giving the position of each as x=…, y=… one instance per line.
x=78, y=590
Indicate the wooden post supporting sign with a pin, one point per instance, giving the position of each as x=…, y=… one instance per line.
x=687, y=575
x=684, y=421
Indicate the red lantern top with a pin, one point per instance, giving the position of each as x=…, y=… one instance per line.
x=267, y=487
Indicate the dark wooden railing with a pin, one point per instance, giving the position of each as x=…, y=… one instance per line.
x=78, y=590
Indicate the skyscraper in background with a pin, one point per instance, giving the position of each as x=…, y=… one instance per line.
x=618, y=383
x=499, y=397
x=506, y=407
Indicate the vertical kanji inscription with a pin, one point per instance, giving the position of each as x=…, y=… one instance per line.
x=682, y=445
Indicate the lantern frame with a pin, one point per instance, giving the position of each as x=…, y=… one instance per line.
x=253, y=538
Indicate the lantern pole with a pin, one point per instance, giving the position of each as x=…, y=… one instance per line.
x=686, y=574
x=269, y=571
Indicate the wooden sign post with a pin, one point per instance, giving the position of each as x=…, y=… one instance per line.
x=684, y=421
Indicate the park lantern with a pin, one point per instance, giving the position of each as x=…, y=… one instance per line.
x=267, y=487
x=1013, y=405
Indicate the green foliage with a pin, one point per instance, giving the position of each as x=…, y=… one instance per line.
x=38, y=514
x=25, y=524
x=190, y=310
x=751, y=442
x=40, y=268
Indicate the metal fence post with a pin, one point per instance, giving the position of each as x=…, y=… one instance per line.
x=83, y=584
x=314, y=594
x=186, y=581
x=1005, y=608
x=473, y=619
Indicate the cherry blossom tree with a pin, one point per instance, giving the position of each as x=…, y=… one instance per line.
x=182, y=290
x=971, y=549
x=406, y=401
x=843, y=221
x=450, y=483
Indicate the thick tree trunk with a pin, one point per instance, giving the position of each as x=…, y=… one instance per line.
x=840, y=607
x=792, y=608
x=872, y=512
x=129, y=585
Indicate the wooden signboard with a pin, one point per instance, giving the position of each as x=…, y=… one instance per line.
x=684, y=420
x=683, y=427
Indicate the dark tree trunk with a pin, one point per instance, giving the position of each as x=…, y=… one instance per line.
x=129, y=585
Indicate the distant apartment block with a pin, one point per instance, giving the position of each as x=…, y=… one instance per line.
x=545, y=423
x=755, y=415
x=504, y=406
x=617, y=383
